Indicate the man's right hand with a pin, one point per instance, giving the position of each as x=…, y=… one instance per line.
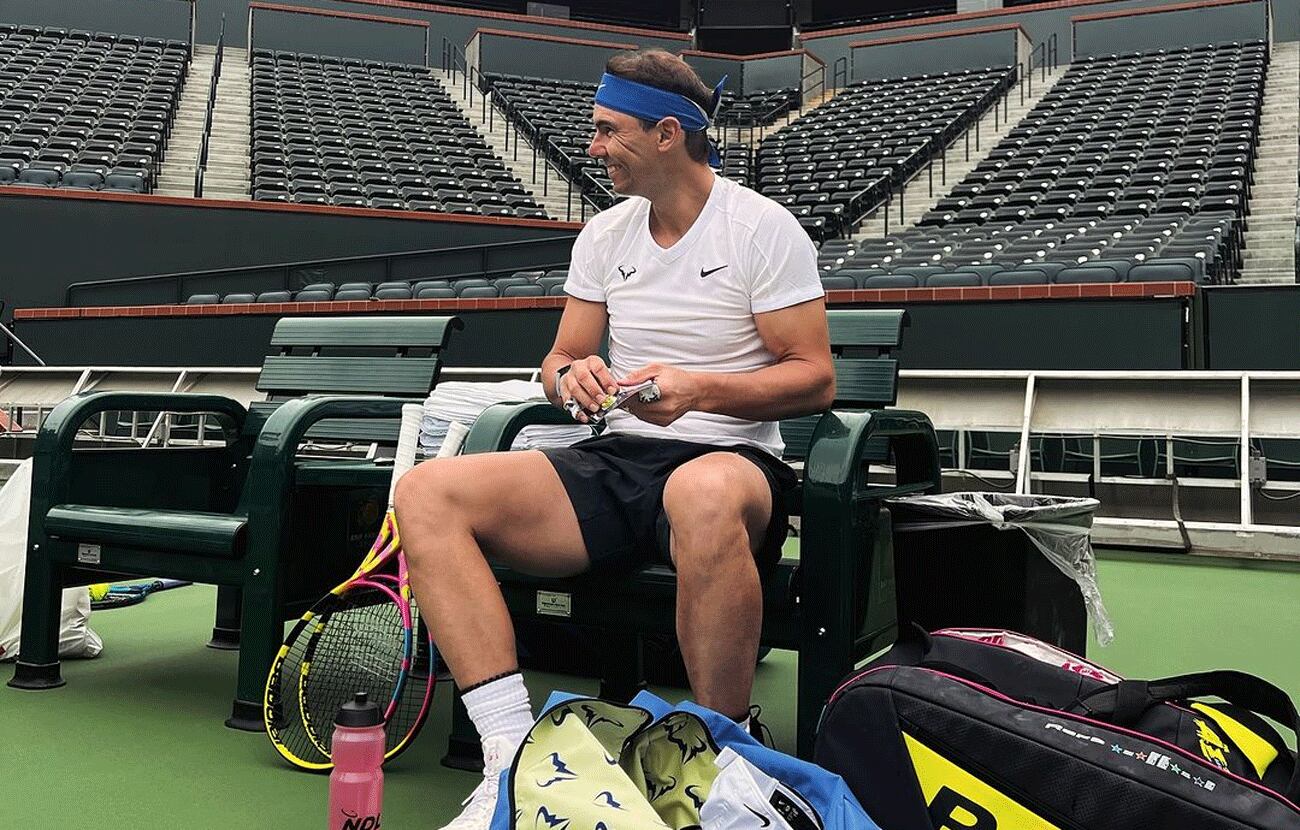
x=588, y=382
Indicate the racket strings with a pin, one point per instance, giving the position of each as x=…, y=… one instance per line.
x=362, y=646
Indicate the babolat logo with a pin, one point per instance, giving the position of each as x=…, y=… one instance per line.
x=959, y=800
x=358, y=822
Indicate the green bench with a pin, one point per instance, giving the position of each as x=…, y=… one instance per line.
x=273, y=528
x=835, y=603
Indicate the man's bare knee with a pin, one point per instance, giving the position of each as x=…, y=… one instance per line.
x=717, y=493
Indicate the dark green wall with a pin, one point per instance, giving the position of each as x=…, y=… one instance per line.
x=1039, y=24
x=777, y=72
x=149, y=18
x=342, y=36
x=1252, y=327
x=51, y=242
x=1241, y=21
x=508, y=55
x=1065, y=334
x=490, y=338
x=920, y=57
x=456, y=26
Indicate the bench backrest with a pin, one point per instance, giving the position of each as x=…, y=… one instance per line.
x=866, y=372
x=372, y=355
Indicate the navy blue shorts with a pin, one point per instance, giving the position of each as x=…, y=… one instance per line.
x=616, y=485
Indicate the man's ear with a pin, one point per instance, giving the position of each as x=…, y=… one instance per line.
x=669, y=131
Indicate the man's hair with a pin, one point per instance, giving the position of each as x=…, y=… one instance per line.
x=658, y=68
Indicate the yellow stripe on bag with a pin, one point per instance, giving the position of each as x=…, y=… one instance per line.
x=1258, y=751
x=960, y=801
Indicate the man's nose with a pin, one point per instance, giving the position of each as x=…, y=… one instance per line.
x=596, y=147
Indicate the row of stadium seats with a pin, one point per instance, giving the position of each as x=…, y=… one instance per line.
x=1126, y=157
x=521, y=284
x=1213, y=239
x=1188, y=269
x=839, y=161
x=87, y=110
x=555, y=117
x=371, y=134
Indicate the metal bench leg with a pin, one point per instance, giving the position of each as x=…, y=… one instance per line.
x=225, y=631
x=38, y=656
x=260, y=638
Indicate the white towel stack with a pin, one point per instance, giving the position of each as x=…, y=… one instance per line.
x=464, y=401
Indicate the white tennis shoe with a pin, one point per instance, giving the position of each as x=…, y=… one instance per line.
x=498, y=752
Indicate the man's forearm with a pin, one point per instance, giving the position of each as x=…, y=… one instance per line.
x=784, y=390
x=551, y=364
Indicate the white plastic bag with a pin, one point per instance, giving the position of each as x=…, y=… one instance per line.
x=76, y=639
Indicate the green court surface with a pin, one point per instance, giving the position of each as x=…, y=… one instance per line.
x=135, y=740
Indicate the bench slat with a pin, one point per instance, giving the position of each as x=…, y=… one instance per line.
x=865, y=383
x=391, y=332
x=185, y=531
x=881, y=328
x=294, y=374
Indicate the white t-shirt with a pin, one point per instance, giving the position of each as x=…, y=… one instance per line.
x=692, y=305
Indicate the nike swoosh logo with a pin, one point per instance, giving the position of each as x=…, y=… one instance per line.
x=704, y=273
x=766, y=821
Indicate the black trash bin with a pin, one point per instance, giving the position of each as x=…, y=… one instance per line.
x=998, y=561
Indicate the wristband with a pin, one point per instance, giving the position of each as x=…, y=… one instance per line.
x=559, y=373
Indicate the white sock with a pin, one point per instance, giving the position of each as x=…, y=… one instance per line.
x=501, y=707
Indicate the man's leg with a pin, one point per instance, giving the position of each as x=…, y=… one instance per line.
x=454, y=515
x=718, y=506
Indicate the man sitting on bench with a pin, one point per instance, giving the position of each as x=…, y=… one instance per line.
x=712, y=291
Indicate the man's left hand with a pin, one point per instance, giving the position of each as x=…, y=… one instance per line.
x=678, y=393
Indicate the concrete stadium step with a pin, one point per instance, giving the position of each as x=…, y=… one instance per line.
x=916, y=198
x=227, y=174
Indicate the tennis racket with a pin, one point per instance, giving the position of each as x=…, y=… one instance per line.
x=121, y=596
x=359, y=637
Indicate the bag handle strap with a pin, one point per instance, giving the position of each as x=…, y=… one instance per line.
x=1124, y=703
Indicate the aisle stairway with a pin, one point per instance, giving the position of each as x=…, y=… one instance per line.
x=227, y=174
x=1269, y=255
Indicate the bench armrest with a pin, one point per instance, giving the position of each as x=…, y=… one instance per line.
x=495, y=430
x=52, y=456
x=832, y=472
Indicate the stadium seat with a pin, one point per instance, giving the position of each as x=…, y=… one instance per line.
x=954, y=279
x=274, y=297
x=1019, y=277
x=313, y=295
x=393, y=292
x=1086, y=273
x=1170, y=270
x=240, y=297
x=529, y=290
x=435, y=292
x=346, y=293
x=891, y=281
x=203, y=299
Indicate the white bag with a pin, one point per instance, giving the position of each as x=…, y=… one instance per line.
x=76, y=639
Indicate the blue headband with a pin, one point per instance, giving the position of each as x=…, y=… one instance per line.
x=653, y=104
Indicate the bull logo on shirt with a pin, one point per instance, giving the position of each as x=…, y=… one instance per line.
x=626, y=272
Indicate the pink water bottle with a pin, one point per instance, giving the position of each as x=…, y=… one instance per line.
x=357, y=782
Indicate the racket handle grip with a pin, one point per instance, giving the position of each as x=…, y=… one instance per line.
x=456, y=433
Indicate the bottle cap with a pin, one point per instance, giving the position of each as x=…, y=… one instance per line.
x=359, y=712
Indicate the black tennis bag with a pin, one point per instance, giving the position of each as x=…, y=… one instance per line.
x=969, y=729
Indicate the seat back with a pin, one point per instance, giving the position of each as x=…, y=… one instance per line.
x=866, y=373
x=371, y=355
